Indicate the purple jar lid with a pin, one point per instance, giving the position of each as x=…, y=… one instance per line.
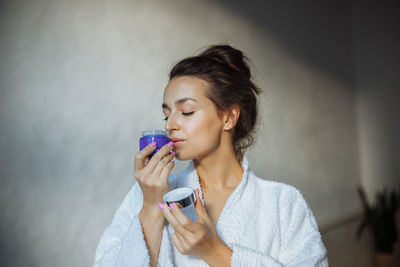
x=158, y=136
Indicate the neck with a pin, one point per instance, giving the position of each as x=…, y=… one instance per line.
x=220, y=169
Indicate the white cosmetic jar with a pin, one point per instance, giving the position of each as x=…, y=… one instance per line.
x=184, y=196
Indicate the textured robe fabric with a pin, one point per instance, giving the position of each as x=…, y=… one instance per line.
x=265, y=223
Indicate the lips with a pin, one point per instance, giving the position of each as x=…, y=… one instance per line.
x=177, y=141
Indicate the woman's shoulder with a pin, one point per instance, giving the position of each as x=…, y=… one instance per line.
x=282, y=192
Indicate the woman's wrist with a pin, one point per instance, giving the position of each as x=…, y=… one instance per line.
x=151, y=213
x=221, y=255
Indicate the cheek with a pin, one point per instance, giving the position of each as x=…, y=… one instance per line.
x=205, y=131
x=203, y=137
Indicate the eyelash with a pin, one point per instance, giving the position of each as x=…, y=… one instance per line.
x=183, y=113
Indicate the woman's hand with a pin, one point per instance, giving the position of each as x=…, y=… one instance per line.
x=199, y=238
x=152, y=174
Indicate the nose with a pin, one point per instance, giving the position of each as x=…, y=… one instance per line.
x=171, y=124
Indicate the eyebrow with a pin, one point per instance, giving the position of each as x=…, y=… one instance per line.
x=179, y=101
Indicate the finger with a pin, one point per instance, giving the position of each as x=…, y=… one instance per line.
x=162, y=163
x=167, y=170
x=170, y=217
x=187, y=223
x=141, y=156
x=196, y=194
x=182, y=239
x=184, y=245
x=179, y=206
x=157, y=157
x=198, y=204
x=199, y=207
x=179, y=243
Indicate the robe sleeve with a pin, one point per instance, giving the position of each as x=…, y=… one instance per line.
x=301, y=243
x=123, y=244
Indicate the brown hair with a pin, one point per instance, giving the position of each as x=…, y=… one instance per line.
x=228, y=75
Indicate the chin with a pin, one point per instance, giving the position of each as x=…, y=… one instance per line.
x=183, y=154
x=179, y=156
x=191, y=156
x=192, y=153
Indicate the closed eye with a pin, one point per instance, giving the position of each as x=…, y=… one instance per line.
x=183, y=113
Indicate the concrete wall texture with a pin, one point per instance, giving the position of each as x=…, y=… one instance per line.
x=81, y=79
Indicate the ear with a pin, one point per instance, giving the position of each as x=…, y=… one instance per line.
x=231, y=117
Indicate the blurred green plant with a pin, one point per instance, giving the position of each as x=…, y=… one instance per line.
x=380, y=218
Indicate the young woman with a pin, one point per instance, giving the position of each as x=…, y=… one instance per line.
x=210, y=108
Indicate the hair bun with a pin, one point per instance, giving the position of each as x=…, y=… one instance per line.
x=230, y=56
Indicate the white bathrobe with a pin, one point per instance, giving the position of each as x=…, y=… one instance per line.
x=265, y=223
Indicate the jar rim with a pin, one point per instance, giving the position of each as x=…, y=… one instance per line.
x=154, y=132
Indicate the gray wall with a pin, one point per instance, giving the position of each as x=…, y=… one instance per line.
x=80, y=80
x=376, y=42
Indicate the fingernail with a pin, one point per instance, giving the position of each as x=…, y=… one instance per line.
x=170, y=143
x=173, y=153
x=153, y=144
x=160, y=206
x=171, y=205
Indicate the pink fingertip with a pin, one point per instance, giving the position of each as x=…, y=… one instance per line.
x=153, y=144
x=160, y=205
x=172, y=206
x=173, y=153
x=170, y=143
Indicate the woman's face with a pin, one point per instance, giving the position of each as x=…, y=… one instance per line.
x=192, y=121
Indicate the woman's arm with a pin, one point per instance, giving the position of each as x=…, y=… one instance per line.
x=135, y=234
x=152, y=221
x=152, y=176
x=123, y=242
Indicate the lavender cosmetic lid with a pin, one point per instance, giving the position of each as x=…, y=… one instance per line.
x=150, y=136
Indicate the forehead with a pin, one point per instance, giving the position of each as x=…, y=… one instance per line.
x=185, y=86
